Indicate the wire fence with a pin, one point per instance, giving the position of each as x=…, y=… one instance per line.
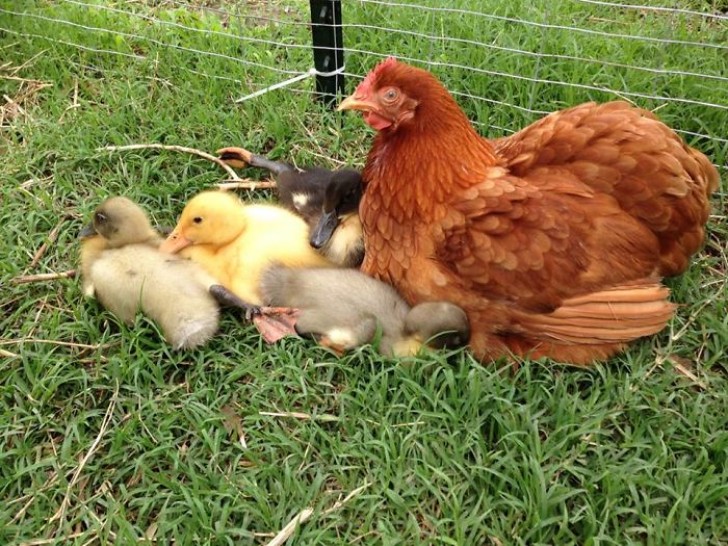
x=508, y=63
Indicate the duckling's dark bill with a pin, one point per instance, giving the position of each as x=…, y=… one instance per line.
x=88, y=231
x=324, y=229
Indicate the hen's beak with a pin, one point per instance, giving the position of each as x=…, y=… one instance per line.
x=352, y=102
x=174, y=242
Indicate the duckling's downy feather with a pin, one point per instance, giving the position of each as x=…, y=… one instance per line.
x=348, y=308
x=170, y=291
x=235, y=242
x=123, y=269
x=346, y=245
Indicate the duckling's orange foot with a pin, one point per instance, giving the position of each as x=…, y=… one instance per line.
x=274, y=323
x=238, y=158
x=226, y=298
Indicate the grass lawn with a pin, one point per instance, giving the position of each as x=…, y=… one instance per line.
x=108, y=437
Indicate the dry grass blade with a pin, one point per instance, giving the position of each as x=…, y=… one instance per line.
x=42, y=277
x=305, y=514
x=685, y=367
x=234, y=424
x=50, y=342
x=300, y=415
x=184, y=149
x=294, y=414
x=247, y=184
x=286, y=533
x=58, y=540
x=351, y=495
x=52, y=236
x=60, y=514
x=25, y=80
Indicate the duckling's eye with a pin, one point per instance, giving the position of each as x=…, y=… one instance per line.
x=99, y=217
x=390, y=95
x=197, y=219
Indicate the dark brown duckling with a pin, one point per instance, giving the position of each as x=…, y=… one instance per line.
x=328, y=200
x=338, y=232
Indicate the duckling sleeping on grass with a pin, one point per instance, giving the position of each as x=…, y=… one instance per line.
x=235, y=242
x=327, y=200
x=344, y=309
x=122, y=267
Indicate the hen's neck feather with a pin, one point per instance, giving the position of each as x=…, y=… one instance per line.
x=436, y=155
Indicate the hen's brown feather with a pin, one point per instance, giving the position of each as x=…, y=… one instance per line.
x=584, y=328
x=628, y=153
x=553, y=240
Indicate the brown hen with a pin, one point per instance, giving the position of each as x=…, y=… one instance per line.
x=553, y=239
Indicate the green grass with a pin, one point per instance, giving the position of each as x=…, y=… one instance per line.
x=453, y=452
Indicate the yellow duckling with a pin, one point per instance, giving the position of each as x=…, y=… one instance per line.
x=122, y=267
x=235, y=242
x=344, y=308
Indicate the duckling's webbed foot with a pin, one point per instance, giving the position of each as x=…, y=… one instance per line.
x=227, y=299
x=274, y=323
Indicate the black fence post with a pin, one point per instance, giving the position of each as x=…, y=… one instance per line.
x=328, y=48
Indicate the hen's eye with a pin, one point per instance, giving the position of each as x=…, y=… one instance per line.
x=100, y=217
x=197, y=219
x=390, y=95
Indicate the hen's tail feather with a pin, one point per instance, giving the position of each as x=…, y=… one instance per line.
x=641, y=290
x=708, y=171
x=616, y=315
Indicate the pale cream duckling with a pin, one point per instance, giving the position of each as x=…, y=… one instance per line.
x=123, y=268
x=343, y=309
x=236, y=242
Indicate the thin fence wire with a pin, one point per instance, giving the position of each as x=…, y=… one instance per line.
x=655, y=8
x=520, y=61
x=524, y=22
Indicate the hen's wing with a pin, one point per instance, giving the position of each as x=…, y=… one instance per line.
x=626, y=152
x=564, y=264
x=510, y=240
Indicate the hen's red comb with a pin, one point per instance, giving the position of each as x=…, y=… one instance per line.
x=366, y=85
